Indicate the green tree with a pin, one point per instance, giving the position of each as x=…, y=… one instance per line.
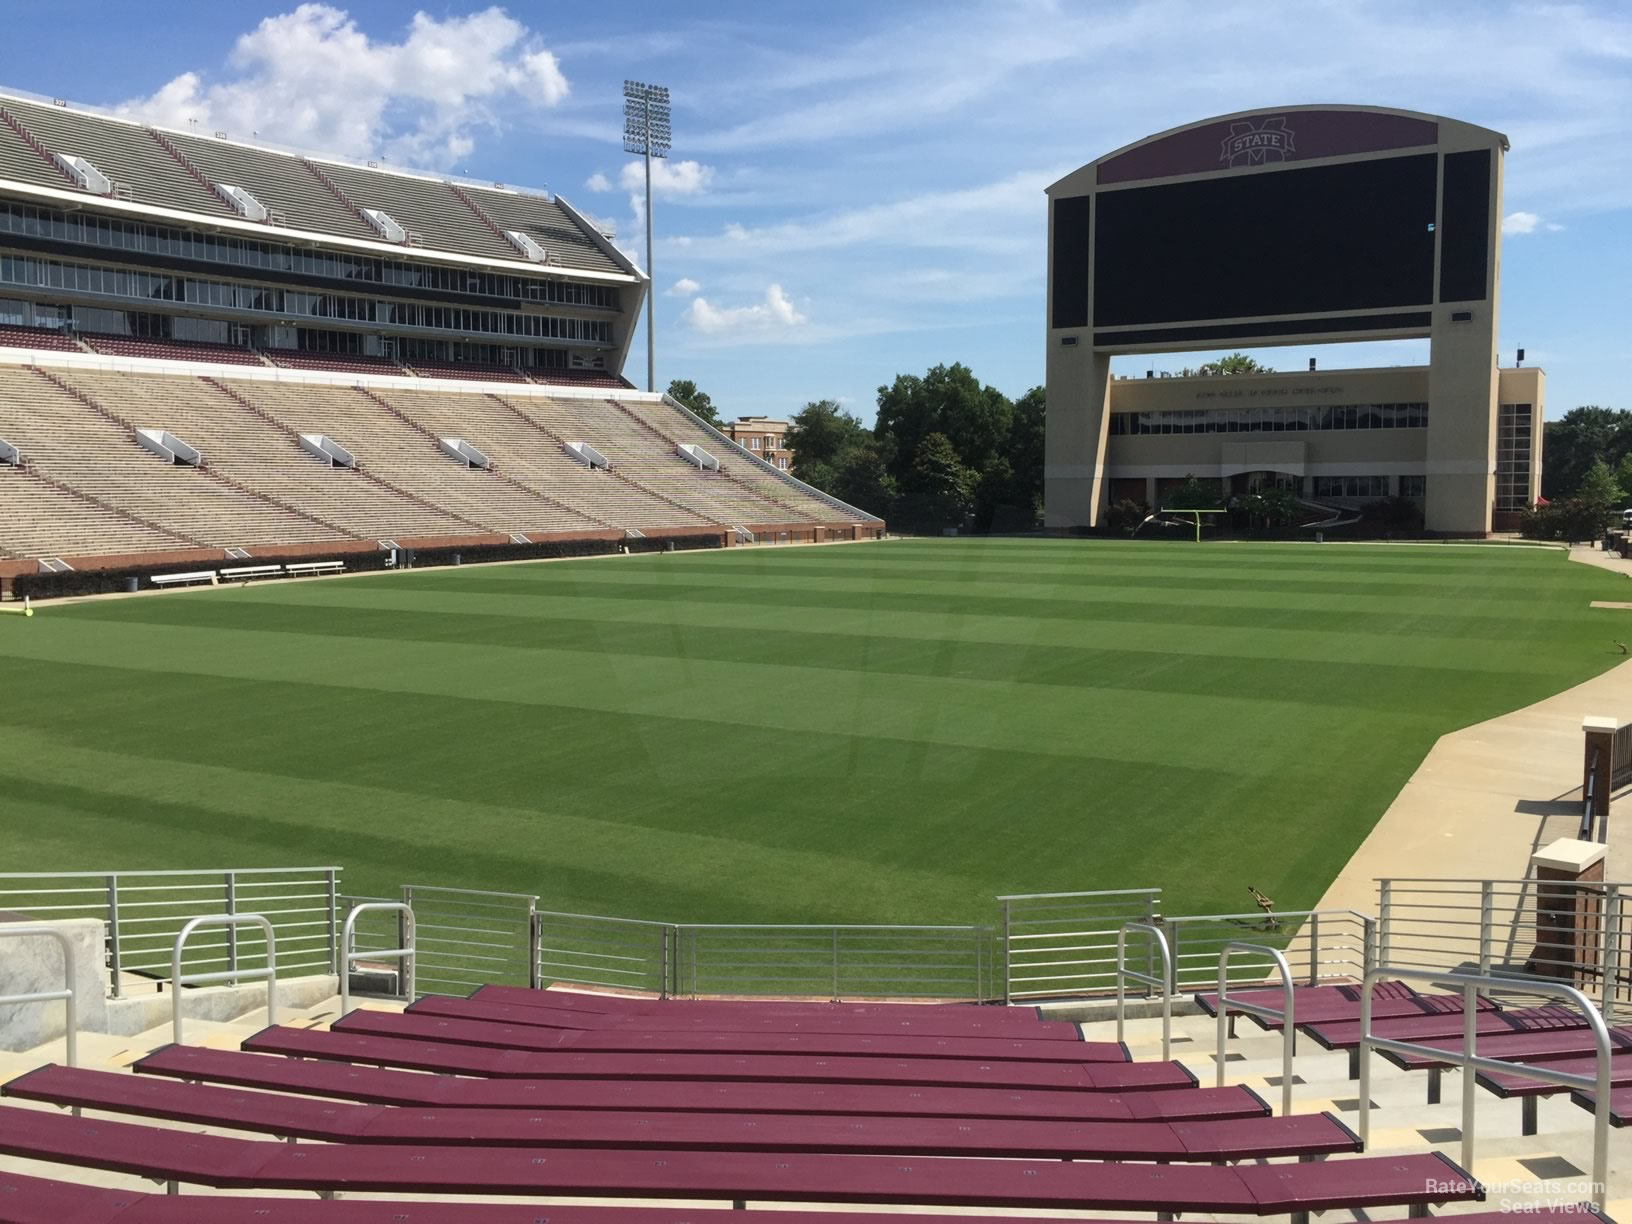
x=1235, y=363
x=1573, y=442
x=861, y=479
x=1598, y=487
x=820, y=433
x=1623, y=475
x=687, y=392
x=1193, y=494
x=948, y=400
x=939, y=488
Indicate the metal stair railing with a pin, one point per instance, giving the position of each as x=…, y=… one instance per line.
x=404, y=955
x=178, y=979
x=1164, y=982
x=67, y=995
x=1467, y=1059
x=1283, y=1013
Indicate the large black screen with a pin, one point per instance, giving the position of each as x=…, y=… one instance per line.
x=1352, y=236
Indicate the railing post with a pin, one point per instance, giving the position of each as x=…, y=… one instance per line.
x=1385, y=919
x=1368, y=944
x=232, y=931
x=1008, y=970
x=114, y=984
x=835, y=964
x=1486, y=893
x=334, y=920
x=1609, y=947
x=535, y=947
x=1314, y=951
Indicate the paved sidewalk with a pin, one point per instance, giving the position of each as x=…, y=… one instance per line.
x=1486, y=796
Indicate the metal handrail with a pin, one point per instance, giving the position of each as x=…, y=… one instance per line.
x=349, y=956
x=178, y=979
x=1589, y=794
x=68, y=995
x=1467, y=1059
x=1284, y=1014
x=1123, y=974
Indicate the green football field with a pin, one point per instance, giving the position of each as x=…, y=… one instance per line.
x=879, y=732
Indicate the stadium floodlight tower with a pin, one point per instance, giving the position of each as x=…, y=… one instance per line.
x=646, y=131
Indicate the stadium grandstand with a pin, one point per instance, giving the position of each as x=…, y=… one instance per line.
x=212, y=349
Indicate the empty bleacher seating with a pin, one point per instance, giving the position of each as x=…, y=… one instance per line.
x=466, y=370
x=338, y=363
x=52, y=338
x=169, y=350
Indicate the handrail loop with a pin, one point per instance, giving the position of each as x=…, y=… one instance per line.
x=404, y=954
x=1283, y=1013
x=1165, y=982
x=68, y=995
x=178, y=979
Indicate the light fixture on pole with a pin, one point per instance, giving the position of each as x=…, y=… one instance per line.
x=646, y=131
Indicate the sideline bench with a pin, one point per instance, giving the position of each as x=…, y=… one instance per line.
x=453, y=1059
x=191, y=576
x=1305, y=1136
x=229, y=1163
x=298, y=569
x=939, y=1025
x=429, y=1027
x=243, y=573
x=383, y=1086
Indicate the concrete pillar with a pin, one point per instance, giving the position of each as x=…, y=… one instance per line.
x=1569, y=913
x=1074, y=446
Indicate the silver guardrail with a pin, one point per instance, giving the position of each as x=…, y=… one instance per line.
x=1319, y=946
x=1227, y=1005
x=611, y=953
x=1162, y=982
x=268, y=972
x=1467, y=1059
x=68, y=995
x=467, y=938
x=143, y=911
x=1576, y=932
x=1064, y=943
x=350, y=954
x=839, y=961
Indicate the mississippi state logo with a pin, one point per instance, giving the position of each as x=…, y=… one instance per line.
x=1254, y=144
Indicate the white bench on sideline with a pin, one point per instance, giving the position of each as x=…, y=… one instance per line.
x=243, y=573
x=298, y=568
x=191, y=576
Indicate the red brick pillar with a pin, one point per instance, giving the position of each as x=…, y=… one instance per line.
x=1599, y=734
x=1569, y=912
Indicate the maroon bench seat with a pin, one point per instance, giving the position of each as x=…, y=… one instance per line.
x=1341, y=1004
x=930, y=1025
x=250, y=1164
x=36, y=1200
x=531, y=1064
x=427, y=1027
x=1620, y=1104
x=1304, y=1135
x=1516, y=1083
x=633, y=1005
x=1546, y=1045
x=383, y=1086
x=1345, y=1034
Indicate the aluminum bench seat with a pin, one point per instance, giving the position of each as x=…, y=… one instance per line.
x=455, y=1059
x=939, y=1024
x=45, y=1200
x=1304, y=1135
x=426, y=1027
x=1341, y=1004
x=1507, y=1084
x=1620, y=1104
x=230, y=1163
x=385, y=1086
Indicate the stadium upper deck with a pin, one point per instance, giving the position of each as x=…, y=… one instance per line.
x=115, y=227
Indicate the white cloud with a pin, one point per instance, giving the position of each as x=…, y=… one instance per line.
x=1553, y=227
x=684, y=287
x=312, y=78
x=776, y=311
x=669, y=178
x=598, y=182
x=1520, y=223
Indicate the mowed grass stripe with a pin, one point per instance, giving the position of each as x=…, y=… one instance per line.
x=1458, y=650
x=947, y=710
x=915, y=727
x=1425, y=689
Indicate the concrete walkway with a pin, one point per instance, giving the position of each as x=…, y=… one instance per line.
x=1485, y=797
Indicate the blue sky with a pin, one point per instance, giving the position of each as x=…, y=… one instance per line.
x=856, y=188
